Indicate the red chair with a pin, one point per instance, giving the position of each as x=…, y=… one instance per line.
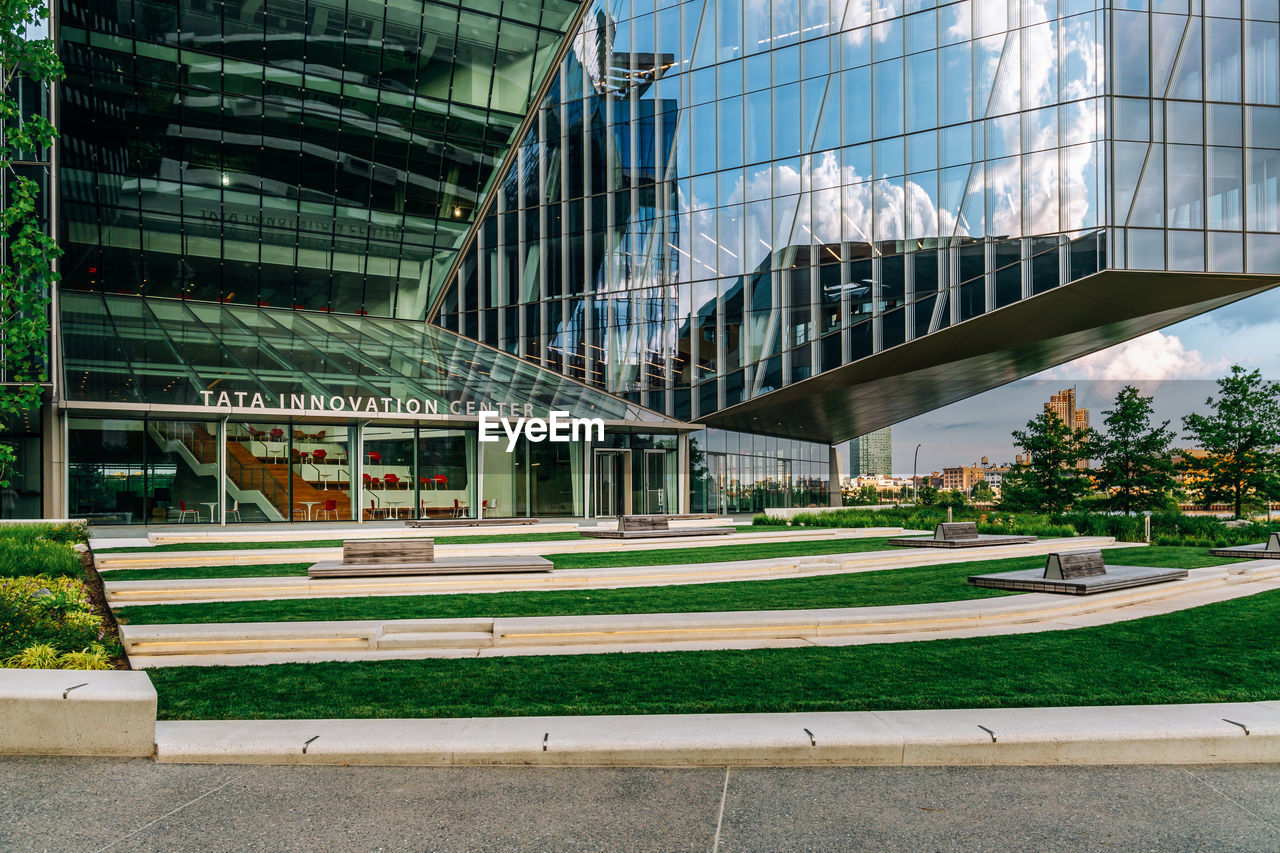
x=371, y=482
x=374, y=457
x=319, y=456
x=183, y=512
x=374, y=510
x=277, y=433
x=391, y=480
x=441, y=481
x=457, y=508
x=319, y=436
x=330, y=509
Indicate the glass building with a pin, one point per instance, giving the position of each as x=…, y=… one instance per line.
x=736, y=232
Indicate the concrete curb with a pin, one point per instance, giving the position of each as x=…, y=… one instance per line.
x=1129, y=734
x=76, y=712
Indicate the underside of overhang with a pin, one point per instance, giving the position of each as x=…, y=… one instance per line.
x=984, y=353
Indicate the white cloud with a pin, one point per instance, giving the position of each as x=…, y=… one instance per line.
x=1154, y=356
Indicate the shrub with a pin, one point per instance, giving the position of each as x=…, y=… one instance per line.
x=25, y=621
x=38, y=656
x=92, y=657
x=22, y=558
x=66, y=533
x=924, y=518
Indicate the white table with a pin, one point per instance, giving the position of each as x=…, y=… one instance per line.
x=213, y=509
x=308, y=505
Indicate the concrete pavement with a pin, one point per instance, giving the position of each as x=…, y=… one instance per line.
x=59, y=804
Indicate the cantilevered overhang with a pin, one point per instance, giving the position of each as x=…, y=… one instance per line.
x=984, y=353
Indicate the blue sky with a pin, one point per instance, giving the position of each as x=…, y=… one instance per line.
x=1176, y=365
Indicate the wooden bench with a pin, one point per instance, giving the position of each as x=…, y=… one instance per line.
x=651, y=527
x=1071, y=565
x=1269, y=550
x=382, y=557
x=958, y=534
x=956, y=531
x=1077, y=573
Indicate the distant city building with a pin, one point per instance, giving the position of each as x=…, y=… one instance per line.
x=1063, y=404
x=962, y=478
x=872, y=454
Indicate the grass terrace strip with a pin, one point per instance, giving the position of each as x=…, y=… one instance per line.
x=479, y=539
x=917, y=585
x=268, y=570
x=1223, y=652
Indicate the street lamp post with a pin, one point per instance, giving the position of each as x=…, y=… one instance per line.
x=915, y=482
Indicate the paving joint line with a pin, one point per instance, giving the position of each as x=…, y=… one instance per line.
x=169, y=814
x=1231, y=800
x=724, y=794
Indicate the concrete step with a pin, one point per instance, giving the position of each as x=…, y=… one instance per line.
x=437, y=640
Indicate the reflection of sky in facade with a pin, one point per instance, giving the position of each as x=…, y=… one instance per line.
x=721, y=198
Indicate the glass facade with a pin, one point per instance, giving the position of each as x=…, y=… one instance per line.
x=720, y=199
x=801, y=217
x=741, y=472
x=292, y=153
x=1195, y=119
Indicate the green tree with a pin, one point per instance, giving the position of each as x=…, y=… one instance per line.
x=1050, y=479
x=928, y=495
x=866, y=496
x=952, y=497
x=1136, y=462
x=982, y=492
x=1240, y=437
x=28, y=252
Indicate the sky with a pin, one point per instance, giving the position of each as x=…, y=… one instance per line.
x=1176, y=366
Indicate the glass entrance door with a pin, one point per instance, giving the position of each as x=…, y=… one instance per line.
x=613, y=482
x=655, y=482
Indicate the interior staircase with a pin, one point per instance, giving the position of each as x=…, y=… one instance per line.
x=250, y=480
x=273, y=480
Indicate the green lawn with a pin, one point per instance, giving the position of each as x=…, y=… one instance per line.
x=1224, y=652
x=862, y=589
x=478, y=539
x=586, y=560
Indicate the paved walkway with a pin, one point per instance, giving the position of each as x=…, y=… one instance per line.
x=59, y=804
x=124, y=593
x=144, y=559
x=248, y=644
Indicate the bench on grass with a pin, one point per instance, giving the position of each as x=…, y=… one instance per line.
x=381, y=557
x=1070, y=565
x=651, y=527
x=1269, y=550
x=1077, y=573
x=958, y=534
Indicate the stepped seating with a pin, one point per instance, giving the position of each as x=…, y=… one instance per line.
x=273, y=479
x=382, y=557
x=958, y=534
x=1076, y=573
x=1269, y=550
x=651, y=527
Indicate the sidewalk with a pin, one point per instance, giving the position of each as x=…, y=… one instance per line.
x=1130, y=734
